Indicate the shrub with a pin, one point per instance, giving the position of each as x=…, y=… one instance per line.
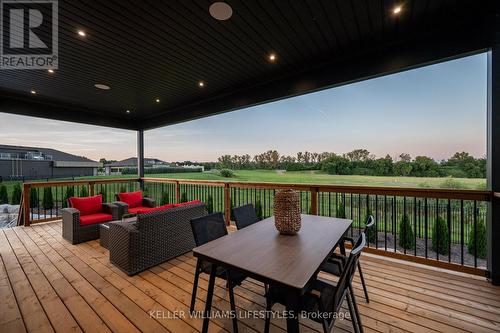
x=4, y=198
x=16, y=194
x=184, y=197
x=452, y=183
x=165, y=198
x=122, y=189
x=481, y=240
x=84, y=192
x=258, y=209
x=440, y=227
x=33, y=198
x=48, y=200
x=104, y=193
x=341, y=211
x=70, y=192
x=226, y=173
x=210, y=204
x=406, y=235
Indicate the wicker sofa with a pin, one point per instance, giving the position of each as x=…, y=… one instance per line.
x=153, y=237
x=79, y=226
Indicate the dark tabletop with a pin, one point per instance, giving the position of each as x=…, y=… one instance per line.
x=290, y=260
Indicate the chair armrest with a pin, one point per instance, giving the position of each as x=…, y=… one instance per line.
x=338, y=257
x=112, y=209
x=70, y=224
x=122, y=208
x=148, y=202
x=123, y=241
x=349, y=239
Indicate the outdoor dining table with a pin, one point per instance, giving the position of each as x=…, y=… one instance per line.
x=262, y=253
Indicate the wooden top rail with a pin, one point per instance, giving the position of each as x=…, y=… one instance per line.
x=80, y=182
x=458, y=194
x=479, y=195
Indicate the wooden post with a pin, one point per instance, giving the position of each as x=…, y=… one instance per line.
x=314, y=201
x=177, y=192
x=227, y=203
x=26, y=204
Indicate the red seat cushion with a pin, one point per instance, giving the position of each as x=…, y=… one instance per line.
x=192, y=202
x=136, y=210
x=87, y=205
x=155, y=209
x=132, y=199
x=95, y=218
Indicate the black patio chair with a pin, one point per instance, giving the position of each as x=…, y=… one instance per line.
x=244, y=216
x=324, y=300
x=332, y=266
x=205, y=229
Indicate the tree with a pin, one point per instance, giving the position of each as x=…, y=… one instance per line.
x=406, y=235
x=33, y=197
x=424, y=166
x=440, y=236
x=4, y=198
x=258, y=209
x=402, y=168
x=84, y=192
x=210, y=204
x=336, y=165
x=340, y=213
x=480, y=236
x=165, y=198
x=70, y=192
x=16, y=194
x=184, y=197
x=358, y=155
x=48, y=200
x=404, y=157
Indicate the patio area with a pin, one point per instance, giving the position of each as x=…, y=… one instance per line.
x=50, y=285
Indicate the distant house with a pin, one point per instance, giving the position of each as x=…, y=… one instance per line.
x=117, y=167
x=17, y=162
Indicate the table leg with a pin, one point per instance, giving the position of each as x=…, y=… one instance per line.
x=292, y=308
x=208, y=303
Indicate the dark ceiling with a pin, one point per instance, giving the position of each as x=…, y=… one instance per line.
x=161, y=49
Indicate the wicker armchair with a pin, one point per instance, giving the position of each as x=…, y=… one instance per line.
x=125, y=209
x=75, y=232
x=153, y=238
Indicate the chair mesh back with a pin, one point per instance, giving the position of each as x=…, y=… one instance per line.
x=347, y=275
x=207, y=228
x=244, y=216
x=370, y=221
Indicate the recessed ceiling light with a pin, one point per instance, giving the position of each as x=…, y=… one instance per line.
x=157, y=100
x=128, y=111
x=82, y=33
x=51, y=71
x=272, y=57
x=220, y=11
x=102, y=86
x=201, y=84
x=397, y=9
x=33, y=92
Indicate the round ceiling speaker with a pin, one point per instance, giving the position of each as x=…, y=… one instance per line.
x=220, y=11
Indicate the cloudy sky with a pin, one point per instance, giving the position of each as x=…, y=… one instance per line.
x=434, y=111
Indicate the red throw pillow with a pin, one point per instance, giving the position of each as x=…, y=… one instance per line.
x=149, y=210
x=192, y=202
x=87, y=205
x=132, y=199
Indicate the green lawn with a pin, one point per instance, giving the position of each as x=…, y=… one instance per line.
x=318, y=177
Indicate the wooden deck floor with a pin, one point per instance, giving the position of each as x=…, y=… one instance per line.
x=48, y=285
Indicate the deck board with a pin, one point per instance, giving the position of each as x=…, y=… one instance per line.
x=49, y=285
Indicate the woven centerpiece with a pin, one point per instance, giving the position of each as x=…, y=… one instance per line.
x=287, y=212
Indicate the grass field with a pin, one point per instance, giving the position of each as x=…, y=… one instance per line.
x=313, y=177
x=317, y=177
